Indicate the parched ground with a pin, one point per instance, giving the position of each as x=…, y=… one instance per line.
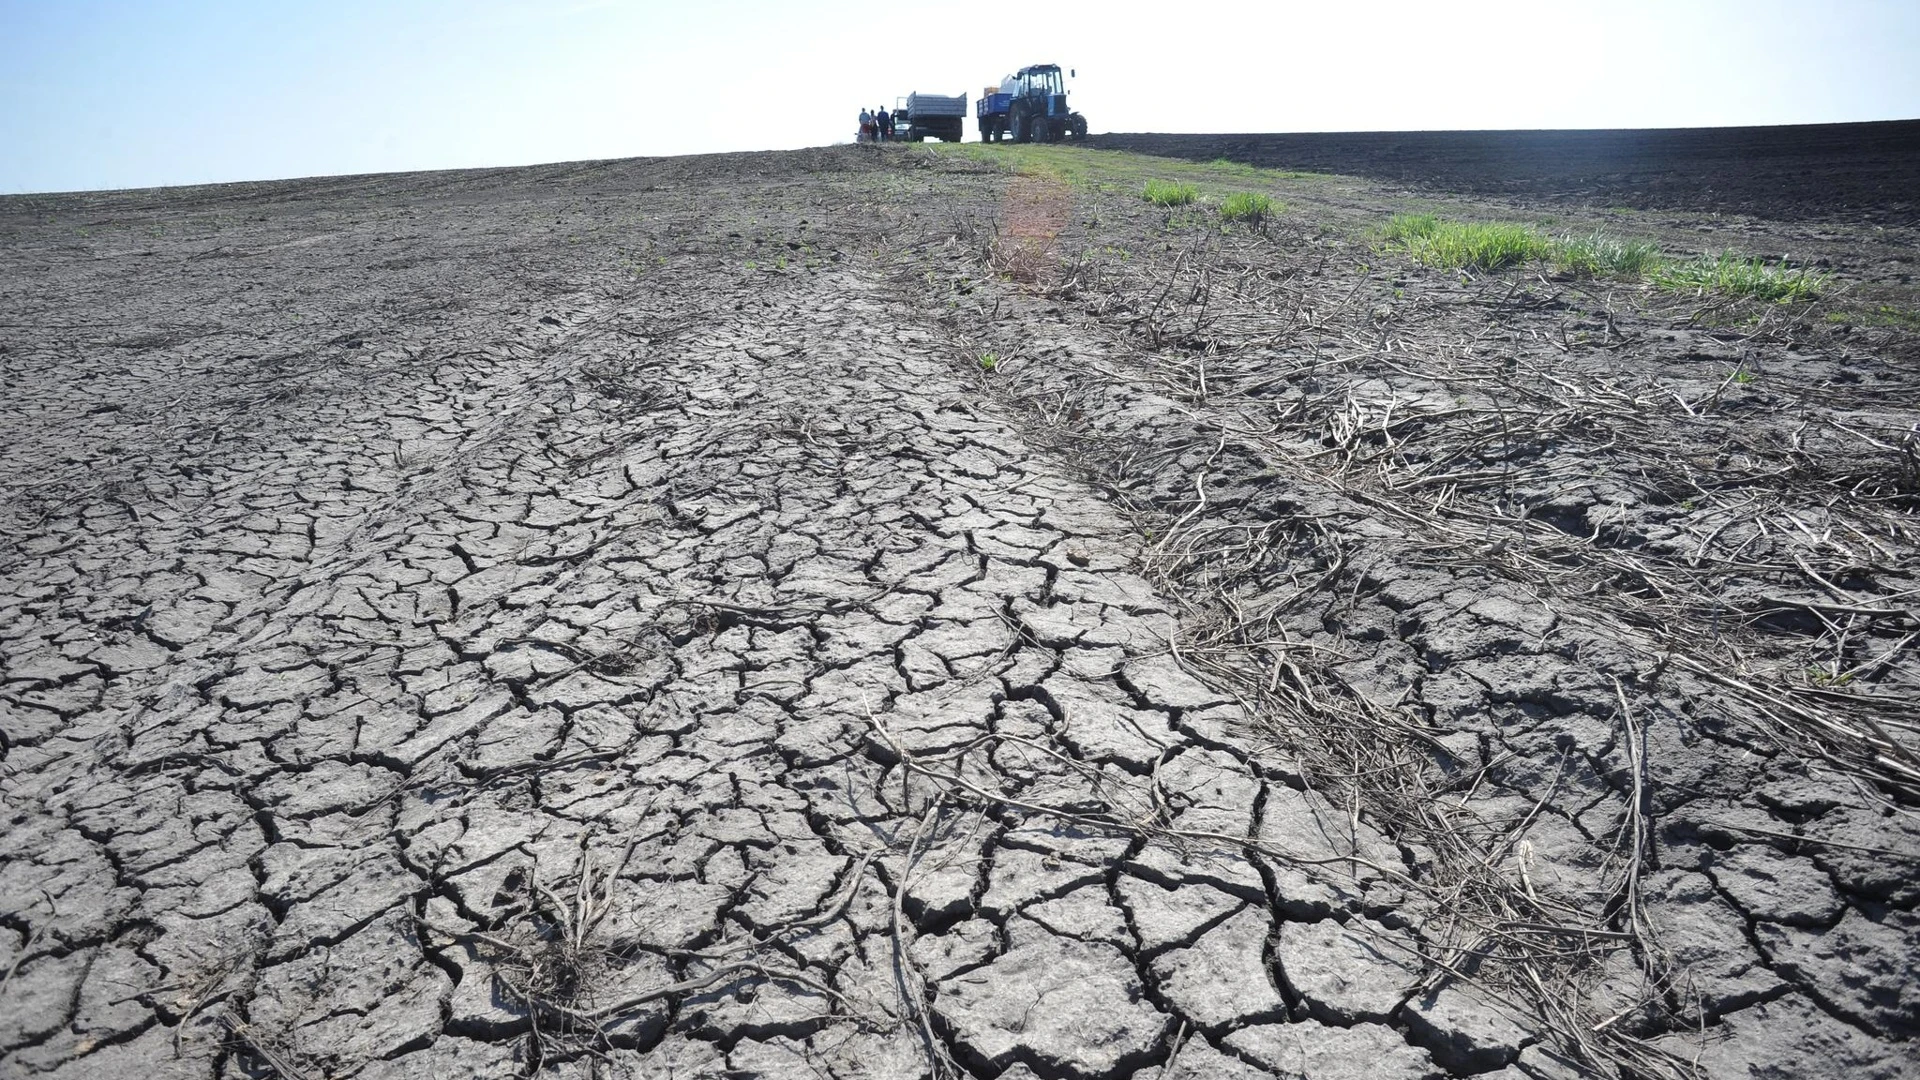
x=873, y=613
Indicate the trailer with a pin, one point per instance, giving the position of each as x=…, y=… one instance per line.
x=920, y=117
x=990, y=111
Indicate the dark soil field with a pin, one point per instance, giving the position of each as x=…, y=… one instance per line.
x=1868, y=172
x=890, y=612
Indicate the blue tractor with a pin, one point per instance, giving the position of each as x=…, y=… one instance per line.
x=1029, y=106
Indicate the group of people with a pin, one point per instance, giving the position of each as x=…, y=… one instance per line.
x=876, y=125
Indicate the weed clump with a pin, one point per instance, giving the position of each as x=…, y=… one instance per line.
x=1248, y=206
x=1170, y=193
x=1740, y=276
x=1461, y=245
x=1464, y=245
x=1406, y=228
x=1600, y=255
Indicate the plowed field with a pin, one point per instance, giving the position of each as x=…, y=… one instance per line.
x=1867, y=172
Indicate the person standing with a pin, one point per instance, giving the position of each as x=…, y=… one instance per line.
x=887, y=123
x=866, y=126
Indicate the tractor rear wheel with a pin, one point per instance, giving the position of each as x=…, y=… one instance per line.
x=1022, y=128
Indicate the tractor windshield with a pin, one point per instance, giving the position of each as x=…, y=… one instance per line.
x=1048, y=81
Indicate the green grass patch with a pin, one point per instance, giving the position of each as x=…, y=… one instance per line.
x=1404, y=228
x=1885, y=315
x=1170, y=193
x=1491, y=245
x=1462, y=245
x=1247, y=206
x=1239, y=170
x=1600, y=255
x=1738, y=275
x=1120, y=171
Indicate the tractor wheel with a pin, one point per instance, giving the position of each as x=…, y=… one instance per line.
x=1077, y=127
x=1022, y=128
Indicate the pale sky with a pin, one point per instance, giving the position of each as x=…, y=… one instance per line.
x=101, y=94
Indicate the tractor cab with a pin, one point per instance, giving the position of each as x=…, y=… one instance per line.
x=1039, y=79
x=1040, y=83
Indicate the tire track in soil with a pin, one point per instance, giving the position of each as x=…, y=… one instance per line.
x=1522, y=711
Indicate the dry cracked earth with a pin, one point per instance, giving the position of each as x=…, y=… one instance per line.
x=695, y=618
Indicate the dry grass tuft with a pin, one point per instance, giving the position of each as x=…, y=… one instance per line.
x=1033, y=212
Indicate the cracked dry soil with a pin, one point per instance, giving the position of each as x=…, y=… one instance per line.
x=603, y=620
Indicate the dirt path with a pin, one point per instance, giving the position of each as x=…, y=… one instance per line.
x=603, y=620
